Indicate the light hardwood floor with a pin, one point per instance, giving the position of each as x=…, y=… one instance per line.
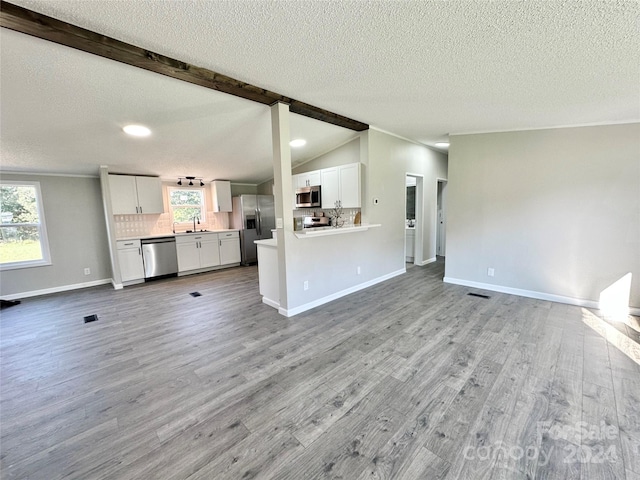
x=409, y=379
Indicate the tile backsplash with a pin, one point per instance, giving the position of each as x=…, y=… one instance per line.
x=348, y=214
x=144, y=225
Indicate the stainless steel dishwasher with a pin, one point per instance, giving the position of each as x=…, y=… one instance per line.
x=159, y=256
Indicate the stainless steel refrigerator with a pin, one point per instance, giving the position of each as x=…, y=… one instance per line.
x=255, y=217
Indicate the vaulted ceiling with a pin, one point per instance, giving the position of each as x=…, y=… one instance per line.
x=419, y=69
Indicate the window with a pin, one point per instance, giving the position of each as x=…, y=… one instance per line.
x=23, y=236
x=186, y=204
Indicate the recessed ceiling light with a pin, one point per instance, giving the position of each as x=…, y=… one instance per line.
x=298, y=142
x=137, y=130
x=442, y=144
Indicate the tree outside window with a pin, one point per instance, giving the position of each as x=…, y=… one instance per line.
x=187, y=204
x=23, y=239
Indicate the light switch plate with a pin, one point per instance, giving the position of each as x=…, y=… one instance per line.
x=279, y=223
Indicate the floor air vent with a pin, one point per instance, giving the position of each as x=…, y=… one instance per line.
x=195, y=294
x=90, y=318
x=478, y=295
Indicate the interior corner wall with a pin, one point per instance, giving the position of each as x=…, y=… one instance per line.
x=77, y=236
x=553, y=211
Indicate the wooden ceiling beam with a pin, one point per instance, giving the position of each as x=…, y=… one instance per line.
x=32, y=23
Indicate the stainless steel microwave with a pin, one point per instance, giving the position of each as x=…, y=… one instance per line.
x=308, y=197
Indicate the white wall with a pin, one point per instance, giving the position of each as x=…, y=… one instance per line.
x=330, y=263
x=342, y=155
x=553, y=211
x=77, y=237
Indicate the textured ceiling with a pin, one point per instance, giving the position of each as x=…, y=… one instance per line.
x=420, y=69
x=62, y=111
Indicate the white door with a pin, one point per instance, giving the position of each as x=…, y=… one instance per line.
x=441, y=219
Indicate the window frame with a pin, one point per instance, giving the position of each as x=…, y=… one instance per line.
x=41, y=225
x=202, y=206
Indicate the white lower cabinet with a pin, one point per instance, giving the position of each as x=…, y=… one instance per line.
x=207, y=250
x=130, y=260
x=229, y=244
x=197, y=251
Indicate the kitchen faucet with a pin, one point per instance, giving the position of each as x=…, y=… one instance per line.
x=174, y=227
x=194, y=222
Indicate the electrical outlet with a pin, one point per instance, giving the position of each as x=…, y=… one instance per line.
x=358, y=270
x=491, y=272
x=306, y=285
x=87, y=271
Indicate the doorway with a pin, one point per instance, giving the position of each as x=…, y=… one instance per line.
x=413, y=225
x=441, y=218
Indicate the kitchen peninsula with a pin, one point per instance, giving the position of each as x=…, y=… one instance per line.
x=268, y=266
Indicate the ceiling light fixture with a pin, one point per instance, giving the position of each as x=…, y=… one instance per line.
x=191, y=179
x=442, y=144
x=136, y=130
x=298, y=142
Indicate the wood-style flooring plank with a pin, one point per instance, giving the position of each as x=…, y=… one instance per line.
x=396, y=381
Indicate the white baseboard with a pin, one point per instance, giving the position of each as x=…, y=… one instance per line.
x=63, y=288
x=427, y=262
x=334, y=296
x=271, y=303
x=580, y=302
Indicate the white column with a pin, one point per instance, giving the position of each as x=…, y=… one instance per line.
x=282, y=192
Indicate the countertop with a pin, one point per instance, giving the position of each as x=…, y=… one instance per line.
x=324, y=231
x=267, y=242
x=177, y=234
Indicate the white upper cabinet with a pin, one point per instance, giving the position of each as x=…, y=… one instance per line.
x=131, y=195
x=149, y=194
x=341, y=183
x=350, y=185
x=309, y=179
x=330, y=187
x=338, y=183
x=221, y=193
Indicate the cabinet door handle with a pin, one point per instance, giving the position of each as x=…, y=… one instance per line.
x=129, y=243
x=139, y=252
x=140, y=208
x=220, y=242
